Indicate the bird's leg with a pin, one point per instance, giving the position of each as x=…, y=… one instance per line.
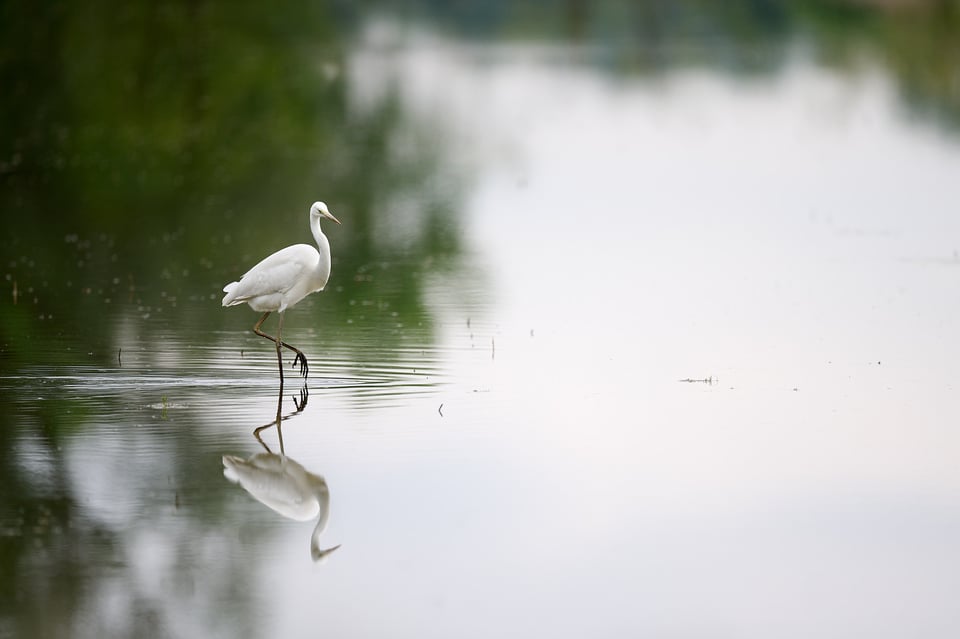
x=279, y=403
x=279, y=351
x=300, y=358
x=256, y=328
x=276, y=340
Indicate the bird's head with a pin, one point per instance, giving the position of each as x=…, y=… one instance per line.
x=319, y=209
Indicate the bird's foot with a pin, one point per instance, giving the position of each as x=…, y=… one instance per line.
x=302, y=360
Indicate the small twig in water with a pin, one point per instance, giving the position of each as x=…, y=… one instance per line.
x=119, y=361
x=706, y=380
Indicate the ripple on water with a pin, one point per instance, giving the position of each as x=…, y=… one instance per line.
x=387, y=379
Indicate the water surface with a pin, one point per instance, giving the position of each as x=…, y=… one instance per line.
x=668, y=354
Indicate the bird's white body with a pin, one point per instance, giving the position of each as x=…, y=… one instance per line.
x=281, y=280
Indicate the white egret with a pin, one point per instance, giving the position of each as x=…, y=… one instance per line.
x=283, y=279
x=286, y=487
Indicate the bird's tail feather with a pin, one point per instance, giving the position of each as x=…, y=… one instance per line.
x=228, y=299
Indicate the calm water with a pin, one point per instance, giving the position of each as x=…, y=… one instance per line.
x=693, y=372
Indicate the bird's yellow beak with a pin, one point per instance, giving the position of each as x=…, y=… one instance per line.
x=330, y=215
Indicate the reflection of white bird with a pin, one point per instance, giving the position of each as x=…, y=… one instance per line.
x=287, y=487
x=281, y=280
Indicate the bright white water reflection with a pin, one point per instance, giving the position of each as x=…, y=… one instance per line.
x=535, y=466
x=793, y=238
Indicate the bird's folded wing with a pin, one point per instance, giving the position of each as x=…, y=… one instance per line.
x=275, y=274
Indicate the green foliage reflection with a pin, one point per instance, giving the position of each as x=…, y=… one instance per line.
x=155, y=151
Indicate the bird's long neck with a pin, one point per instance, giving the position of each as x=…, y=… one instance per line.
x=323, y=245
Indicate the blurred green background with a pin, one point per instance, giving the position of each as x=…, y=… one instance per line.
x=153, y=152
